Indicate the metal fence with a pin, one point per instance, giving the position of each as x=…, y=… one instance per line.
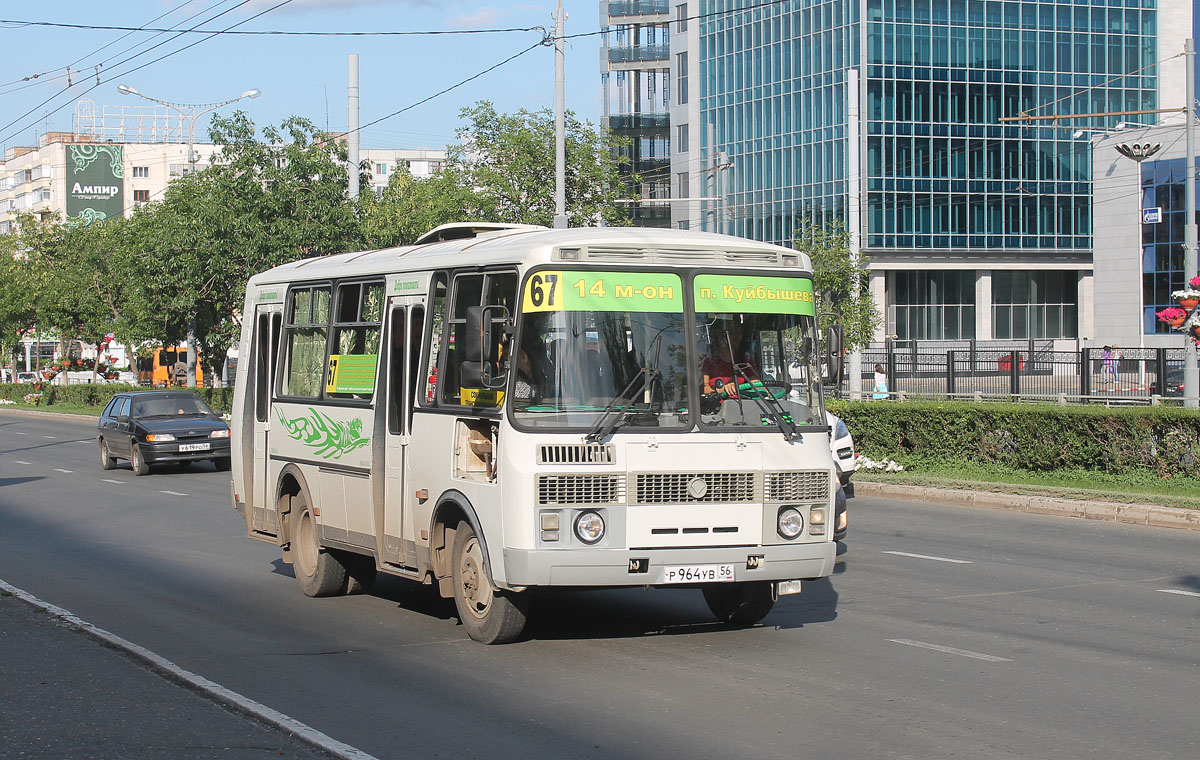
x=1028, y=370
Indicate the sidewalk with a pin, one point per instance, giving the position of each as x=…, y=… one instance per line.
x=66, y=694
x=1139, y=514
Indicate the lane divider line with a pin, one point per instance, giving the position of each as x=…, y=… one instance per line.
x=935, y=559
x=215, y=691
x=173, y=493
x=950, y=650
x=22, y=461
x=1179, y=591
x=109, y=480
x=54, y=437
x=65, y=472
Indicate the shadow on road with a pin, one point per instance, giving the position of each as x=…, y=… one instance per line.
x=19, y=481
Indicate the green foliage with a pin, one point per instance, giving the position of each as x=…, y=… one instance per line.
x=98, y=394
x=842, y=286
x=411, y=207
x=1164, y=441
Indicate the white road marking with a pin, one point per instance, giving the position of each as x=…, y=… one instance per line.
x=173, y=493
x=118, y=482
x=22, y=461
x=51, y=436
x=935, y=559
x=212, y=689
x=1178, y=591
x=950, y=650
x=18, y=432
x=65, y=472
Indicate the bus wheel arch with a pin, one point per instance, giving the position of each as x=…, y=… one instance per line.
x=290, y=484
x=453, y=508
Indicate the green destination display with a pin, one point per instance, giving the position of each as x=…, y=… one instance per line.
x=95, y=183
x=754, y=295
x=603, y=291
x=351, y=373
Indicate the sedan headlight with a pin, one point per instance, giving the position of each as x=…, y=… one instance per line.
x=840, y=431
x=791, y=522
x=159, y=437
x=219, y=433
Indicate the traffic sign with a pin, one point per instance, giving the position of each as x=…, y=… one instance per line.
x=1152, y=215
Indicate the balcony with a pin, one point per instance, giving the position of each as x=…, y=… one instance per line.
x=639, y=121
x=638, y=54
x=623, y=8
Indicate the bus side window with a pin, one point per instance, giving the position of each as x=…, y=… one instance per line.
x=417, y=321
x=502, y=291
x=306, y=327
x=468, y=292
x=354, y=356
x=438, y=298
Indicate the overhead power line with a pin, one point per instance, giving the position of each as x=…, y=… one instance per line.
x=263, y=32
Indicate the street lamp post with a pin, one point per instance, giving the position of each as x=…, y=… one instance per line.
x=190, y=113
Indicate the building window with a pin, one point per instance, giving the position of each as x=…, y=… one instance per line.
x=681, y=77
x=681, y=138
x=382, y=169
x=44, y=195
x=684, y=224
x=141, y=172
x=177, y=170
x=933, y=305
x=141, y=196
x=681, y=18
x=684, y=188
x=1035, y=304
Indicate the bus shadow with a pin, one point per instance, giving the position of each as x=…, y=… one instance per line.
x=409, y=595
x=19, y=481
x=626, y=613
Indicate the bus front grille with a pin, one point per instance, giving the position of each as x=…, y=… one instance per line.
x=580, y=489
x=809, y=485
x=694, y=488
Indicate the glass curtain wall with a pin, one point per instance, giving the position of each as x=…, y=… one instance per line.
x=932, y=305
x=1162, y=243
x=773, y=100
x=943, y=172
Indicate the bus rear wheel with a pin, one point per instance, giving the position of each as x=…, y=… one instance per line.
x=740, y=603
x=490, y=616
x=318, y=571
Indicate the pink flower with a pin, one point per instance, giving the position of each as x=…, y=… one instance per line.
x=1170, y=313
x=1194, y=282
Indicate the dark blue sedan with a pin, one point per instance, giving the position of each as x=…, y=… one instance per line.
x=161, y=427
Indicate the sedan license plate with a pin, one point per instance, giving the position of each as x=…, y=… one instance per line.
x=195, y=446
x=697, y=573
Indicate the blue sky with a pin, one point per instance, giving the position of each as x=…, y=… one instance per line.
x=303, y=76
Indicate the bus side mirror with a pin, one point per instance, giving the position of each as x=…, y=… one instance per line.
x=834, y=360
x=481, y=352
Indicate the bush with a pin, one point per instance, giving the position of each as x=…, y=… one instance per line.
x=1038, y=437
x=98, y=394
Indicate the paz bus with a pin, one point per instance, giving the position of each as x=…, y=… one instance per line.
x=498, y=409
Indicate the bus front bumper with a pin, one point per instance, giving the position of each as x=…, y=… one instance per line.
x=648, y=567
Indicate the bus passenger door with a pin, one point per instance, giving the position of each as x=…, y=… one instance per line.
x=267, y=321
x=404, y=349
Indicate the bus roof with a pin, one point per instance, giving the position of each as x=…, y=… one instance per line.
x=536, y=245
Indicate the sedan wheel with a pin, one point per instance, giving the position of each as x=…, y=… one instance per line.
x=139, y=464
x=106, y=460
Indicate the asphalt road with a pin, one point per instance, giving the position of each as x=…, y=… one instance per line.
x=945, y=632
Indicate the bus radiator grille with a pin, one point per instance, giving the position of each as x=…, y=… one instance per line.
x=694, y=488
x=810, y=485
x=580, y=489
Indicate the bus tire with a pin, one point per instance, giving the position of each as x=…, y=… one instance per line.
x=740, y=603
x=222, y=464
x=106, y=460
x=319, y=571
x=137, y=462
x=490, y=616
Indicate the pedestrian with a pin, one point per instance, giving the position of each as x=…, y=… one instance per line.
x=1107, y=370
x=881, y=386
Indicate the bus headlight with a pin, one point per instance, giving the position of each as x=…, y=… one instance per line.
x=791, y=522
x=589, y=527
x=816, y=521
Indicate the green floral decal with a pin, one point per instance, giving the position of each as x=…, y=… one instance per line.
x=86, y=217
x=328, y=438
x=84, y=155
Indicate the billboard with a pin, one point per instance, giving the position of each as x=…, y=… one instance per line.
x=95, y=183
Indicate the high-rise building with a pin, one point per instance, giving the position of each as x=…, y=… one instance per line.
x=975, y=227
x=636, y=98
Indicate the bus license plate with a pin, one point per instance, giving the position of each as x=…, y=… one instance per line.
x=697, y=573
x=194, y=446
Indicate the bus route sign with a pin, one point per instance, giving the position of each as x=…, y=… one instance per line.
x=603, y=291
x=754, y=295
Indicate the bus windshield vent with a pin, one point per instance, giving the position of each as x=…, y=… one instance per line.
x=597, y=453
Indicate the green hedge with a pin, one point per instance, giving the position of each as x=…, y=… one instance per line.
x=1038, y=437
x=98, y=394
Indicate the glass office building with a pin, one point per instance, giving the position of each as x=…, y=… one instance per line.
x=974, y=227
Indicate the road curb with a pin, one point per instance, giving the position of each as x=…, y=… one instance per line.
x=1136, y=514
x=51, y=415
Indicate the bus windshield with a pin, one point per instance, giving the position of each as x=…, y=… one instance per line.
x=602, y=343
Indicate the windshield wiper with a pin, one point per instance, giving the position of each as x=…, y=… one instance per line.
x=770, y=406
x=603, y=427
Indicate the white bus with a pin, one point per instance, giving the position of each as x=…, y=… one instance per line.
x=500, y=408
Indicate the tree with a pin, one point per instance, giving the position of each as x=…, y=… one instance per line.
x=507, y=160
x=410, y=207
x=842, y=285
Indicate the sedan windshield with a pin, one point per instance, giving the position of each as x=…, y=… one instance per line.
x=173, y=405
x=601, y=348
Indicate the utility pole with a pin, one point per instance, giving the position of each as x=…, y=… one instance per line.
x=1191, y=374
x=352, y=132
x=854, y=215
x=560, y=131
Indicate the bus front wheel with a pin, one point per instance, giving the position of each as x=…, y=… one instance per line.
x=320, y=572
x=740, y=603
x=490, y=616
